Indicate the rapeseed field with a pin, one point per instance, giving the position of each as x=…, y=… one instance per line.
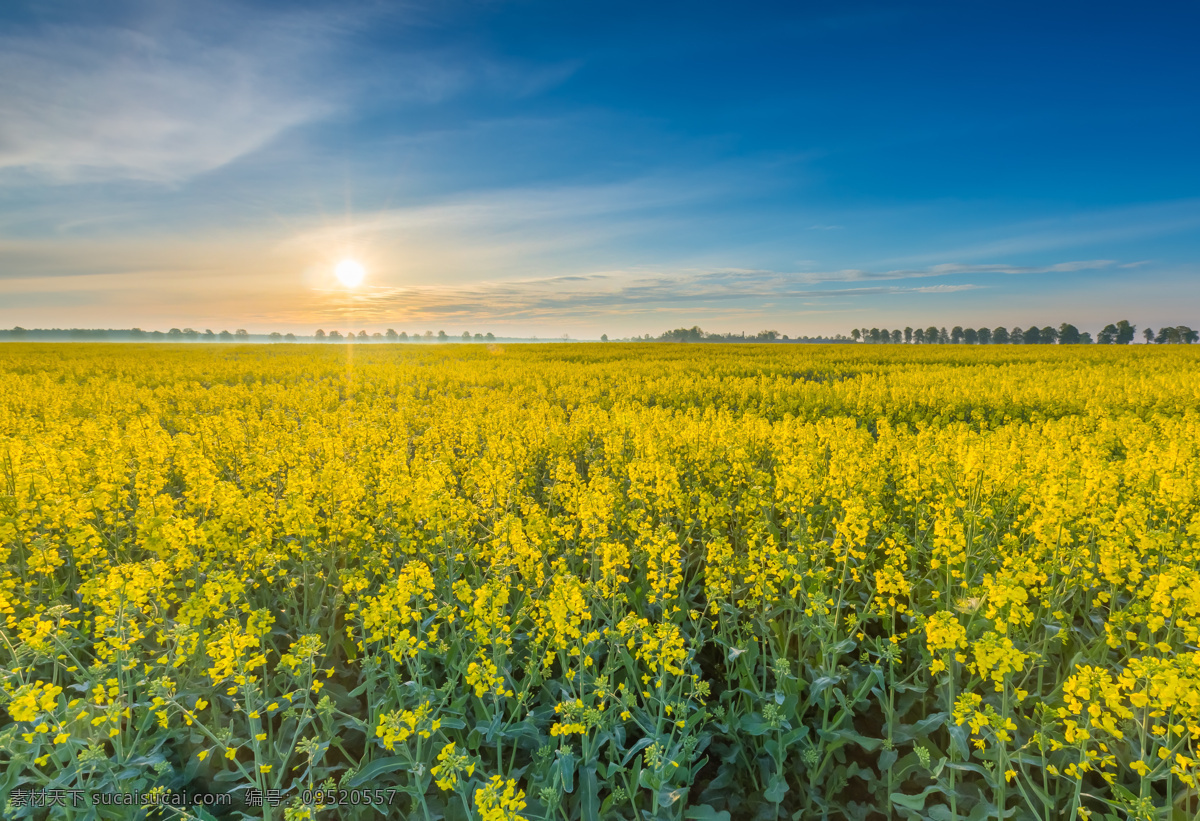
x=586, y=582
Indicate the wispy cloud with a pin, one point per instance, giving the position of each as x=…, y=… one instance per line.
x=168, y=95
x=613, y=293
x=158, y=100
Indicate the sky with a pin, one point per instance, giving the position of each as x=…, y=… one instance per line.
x=582, y=168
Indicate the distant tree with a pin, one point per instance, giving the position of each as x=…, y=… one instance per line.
x=175, y=334
x=956, y=335
x=209, y=336
x=856, y=334
x=191, y=334
x=1107, y=335
x=466, y=336
x=1165, y=334
x=931, y=335
x=1017, y=337
x=1149, y=334
x=603, y=337
x=1033, y=335
x=377, y=336
x=1085, y=338
x=1068, y=334
x=970, y=336
x=429, y=335
x=918, y=336
x=138, y=333
x=403, y=336
x=276, y=336
x=391, y=335
x=290, y=337
x=874, y=336
x=319, y=335
x=1187, y=336
x=242, y=334
x=897, y=336
x=478, y=337
x=763, y=336
x=442, y=336
x=362, y=334
x=908, y=336
x=491, y=337
x=1125, y=332
x=1049, y=335
x=335, y=334
x=226, y=336
x=943, y=337
x=1000, y=336
x=985, y=336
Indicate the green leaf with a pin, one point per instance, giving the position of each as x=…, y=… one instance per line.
x=566, y=769
x=705, y=812
x=912, y=802
x=377, y=768
x=776, y=789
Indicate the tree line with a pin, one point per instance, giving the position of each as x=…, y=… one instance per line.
x=1118, y=333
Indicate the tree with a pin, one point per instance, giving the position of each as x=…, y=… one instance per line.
x=1068, y=334
x=970, y=336
x=1107, y=335
x=290, y=337
x=763, y=336
x=377, y=336
x=1000, y=336
x=985, y=336
x=138, y=333
x=362, y=334
x=442, y=336
x=276, y=336
x=603, y=337
x=919, y=336
x=1033, y=335
x=856, y=335
x=175, y=334
x=1017, y=337
x=931, y=335
x=897, y=335
x=226, y=336
x=1149, y=334
x=403, y=336
x=191, y=334
x=1187, y=336
x=943, y=337
x=242, y=334
x=335, y=334
x=209, y=336
x=956, y=335
x=319, y=335
x=491, y=337
x=908, y=335
x=1125, y=332
x=1085, y=338
x=1049, y=335
x=391, y=335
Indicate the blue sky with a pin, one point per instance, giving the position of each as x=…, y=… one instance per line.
x=549, y=168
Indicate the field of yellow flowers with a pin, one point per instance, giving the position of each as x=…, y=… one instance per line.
x=599, y=582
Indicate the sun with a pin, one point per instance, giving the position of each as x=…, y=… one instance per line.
x=350, y=273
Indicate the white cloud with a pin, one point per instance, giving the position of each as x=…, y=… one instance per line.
x=151, y=101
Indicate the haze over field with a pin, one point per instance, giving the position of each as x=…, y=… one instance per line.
x=543, y=169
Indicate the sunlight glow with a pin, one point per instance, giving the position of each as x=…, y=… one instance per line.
x=349, y=273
